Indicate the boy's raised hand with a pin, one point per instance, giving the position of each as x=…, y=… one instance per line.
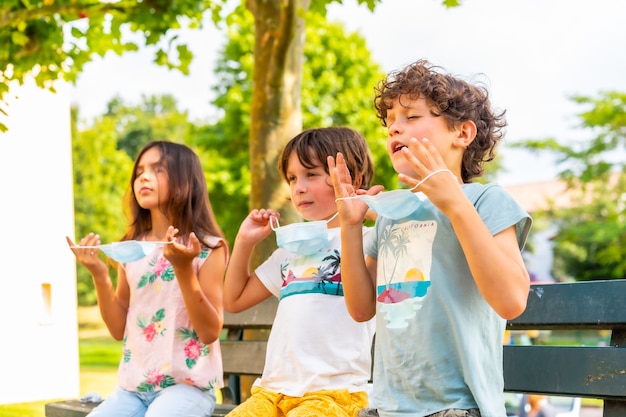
x=441, y=185
x=352, y=211
x=258, y=225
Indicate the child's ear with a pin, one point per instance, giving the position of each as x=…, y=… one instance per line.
x=357, y=182
x=466, y=133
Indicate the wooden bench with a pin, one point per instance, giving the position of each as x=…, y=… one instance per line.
x=243, y=355
x=572, y=371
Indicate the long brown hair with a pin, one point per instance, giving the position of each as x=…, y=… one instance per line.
x=188, y=207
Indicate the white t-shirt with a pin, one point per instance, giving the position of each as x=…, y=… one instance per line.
x=314, y=344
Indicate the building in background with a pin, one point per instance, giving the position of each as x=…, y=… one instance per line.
x=38, y=314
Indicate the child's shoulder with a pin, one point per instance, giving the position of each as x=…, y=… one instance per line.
x=475, y=191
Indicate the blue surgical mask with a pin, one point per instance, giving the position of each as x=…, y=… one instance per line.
x=127, y=250
x=303, y=238
x=396, y=204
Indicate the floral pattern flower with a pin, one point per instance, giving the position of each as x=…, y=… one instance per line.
x=155, y=378
x=159, y=267
x=154, y=327
x=194, y=348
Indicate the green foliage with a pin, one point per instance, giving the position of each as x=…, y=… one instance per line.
x=589, y=244
x=591, y=232
x=337, y=89
x=52, y=39
x=101, y=174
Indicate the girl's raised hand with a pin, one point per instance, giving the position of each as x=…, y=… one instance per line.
x=88, y=257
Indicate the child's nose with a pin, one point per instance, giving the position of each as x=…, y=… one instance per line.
x=394, y=129
x=300, y=186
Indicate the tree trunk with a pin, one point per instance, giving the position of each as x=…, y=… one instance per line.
x=276, y=104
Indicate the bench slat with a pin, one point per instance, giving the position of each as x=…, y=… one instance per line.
x=260, y=316
x=69, y=408
x=582, y=371
x=577, y=305
x=244, y=357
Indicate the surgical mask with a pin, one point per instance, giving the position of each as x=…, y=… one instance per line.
x=396, y=204
x=127, y=250
x=303, y=238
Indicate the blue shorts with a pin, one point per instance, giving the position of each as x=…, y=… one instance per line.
x=175, y=401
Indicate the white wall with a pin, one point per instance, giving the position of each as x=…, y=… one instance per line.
x=38, y=324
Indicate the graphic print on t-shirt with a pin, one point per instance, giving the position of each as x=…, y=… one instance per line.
x=403, y=270
x=317, y=273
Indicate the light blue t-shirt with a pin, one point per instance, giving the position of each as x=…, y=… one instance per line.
x=438, y=342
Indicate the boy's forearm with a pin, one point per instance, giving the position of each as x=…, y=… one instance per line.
x=495, y=261
x=237, y=273
x=357, y=283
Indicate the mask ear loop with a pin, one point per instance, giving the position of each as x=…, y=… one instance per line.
x=423, y=180
x=272, y=220
x=333, y=216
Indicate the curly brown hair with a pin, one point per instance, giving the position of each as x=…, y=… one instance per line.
x=456, y=100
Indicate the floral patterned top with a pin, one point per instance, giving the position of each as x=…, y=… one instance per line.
x=161, y=348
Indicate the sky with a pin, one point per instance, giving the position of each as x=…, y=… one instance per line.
x=533, y=56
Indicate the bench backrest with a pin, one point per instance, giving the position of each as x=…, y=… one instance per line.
x=244, y=346
x=575, y=371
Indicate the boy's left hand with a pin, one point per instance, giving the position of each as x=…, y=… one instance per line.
x=440, y=188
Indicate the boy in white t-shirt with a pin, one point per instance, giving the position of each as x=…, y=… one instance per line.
x=318, y=358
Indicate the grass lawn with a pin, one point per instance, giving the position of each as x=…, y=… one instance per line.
x=99, y=357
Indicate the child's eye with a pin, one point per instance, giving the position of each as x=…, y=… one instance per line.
x=291, y=178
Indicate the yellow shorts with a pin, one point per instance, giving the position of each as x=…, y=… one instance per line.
x=330, y=403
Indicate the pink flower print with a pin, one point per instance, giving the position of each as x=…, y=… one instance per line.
x=193, y=349
x=149, y=332
x=154, y=377
x=160, y=266
x=189, y=381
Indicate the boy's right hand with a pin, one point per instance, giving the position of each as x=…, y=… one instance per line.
x=256, y=226
x=88, y=257
x=352, y=211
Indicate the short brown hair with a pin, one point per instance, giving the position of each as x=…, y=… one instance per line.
x=313, y=146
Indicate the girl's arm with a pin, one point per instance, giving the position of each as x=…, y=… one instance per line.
x=243, y=289
x=202, y=293
x=112, y=302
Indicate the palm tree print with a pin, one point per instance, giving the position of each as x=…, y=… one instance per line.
x=394, y=243
x=327, y=272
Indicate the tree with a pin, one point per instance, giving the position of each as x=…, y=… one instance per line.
x=337, y=87
x=591, y=232
x=39, y=44
x=52, y=39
